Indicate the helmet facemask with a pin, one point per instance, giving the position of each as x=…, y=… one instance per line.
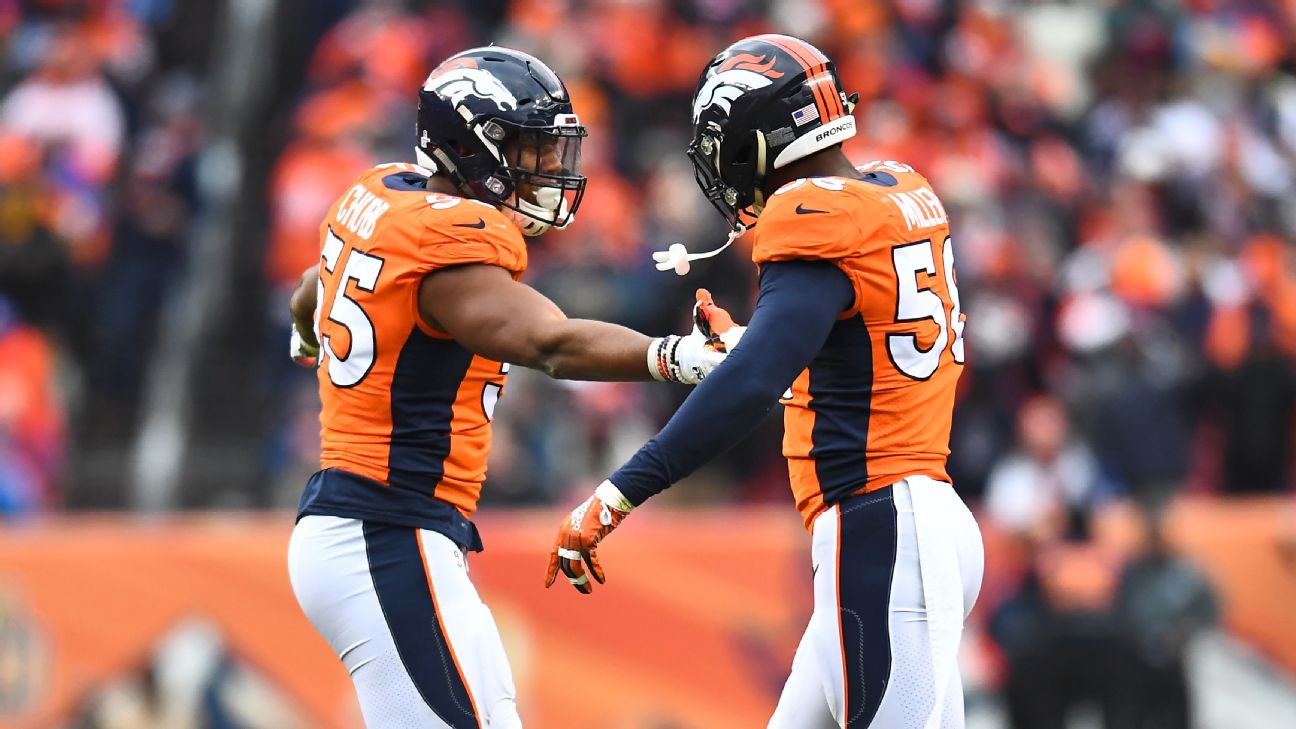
x=738, y=192
x=543, y=165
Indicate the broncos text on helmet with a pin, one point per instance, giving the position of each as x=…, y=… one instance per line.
x=763, y=103
x=500, y=124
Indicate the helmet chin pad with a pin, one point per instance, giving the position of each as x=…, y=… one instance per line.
x=552, y=206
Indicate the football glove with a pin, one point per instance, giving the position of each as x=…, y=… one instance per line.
x=580, y=533
x=689, y=359
x=301, y=351
x=715, y=323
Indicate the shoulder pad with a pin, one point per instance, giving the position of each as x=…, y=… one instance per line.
x=460, y=230
x=810, y=218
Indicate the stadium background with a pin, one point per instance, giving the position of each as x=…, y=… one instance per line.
x=1120, y=175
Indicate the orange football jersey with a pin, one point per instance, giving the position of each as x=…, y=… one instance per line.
x=876, y=403
x=406, y=419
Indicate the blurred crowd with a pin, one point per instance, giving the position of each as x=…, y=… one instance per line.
x=99, y=132
x=1116, y=171
x=99, y=127
x=1119, y=175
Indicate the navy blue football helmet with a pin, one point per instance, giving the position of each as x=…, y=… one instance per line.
x=760, y=104
x=500, y=125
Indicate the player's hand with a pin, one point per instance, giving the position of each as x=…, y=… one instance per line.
x=301, y=351
x=580, y=533
x=689, y=359
x=715, y=323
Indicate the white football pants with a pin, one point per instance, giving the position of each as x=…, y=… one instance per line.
x=896, y=572
x=396, y=605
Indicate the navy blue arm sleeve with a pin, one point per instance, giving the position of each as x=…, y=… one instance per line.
x=798, y=304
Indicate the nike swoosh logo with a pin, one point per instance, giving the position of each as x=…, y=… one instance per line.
x=478, y=225
x=814, y=572
x=806, y=211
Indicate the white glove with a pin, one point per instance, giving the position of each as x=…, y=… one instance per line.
x=687, y=360
x=731, y=337
x=301, y=352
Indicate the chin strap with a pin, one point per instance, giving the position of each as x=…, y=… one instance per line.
x=678, y=257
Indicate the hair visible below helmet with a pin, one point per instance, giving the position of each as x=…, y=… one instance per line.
x=761, y=104
x=500, y=125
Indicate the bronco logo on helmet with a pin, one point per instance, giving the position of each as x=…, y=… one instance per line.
x=735, y=77
x=456, y=84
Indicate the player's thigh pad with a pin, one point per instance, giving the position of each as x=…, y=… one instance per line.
x=397, y=607
x=893, y=582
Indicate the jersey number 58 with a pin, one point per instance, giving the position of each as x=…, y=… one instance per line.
x=920, y=303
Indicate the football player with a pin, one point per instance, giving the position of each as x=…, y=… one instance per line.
x=413, y=310
x=858, y=332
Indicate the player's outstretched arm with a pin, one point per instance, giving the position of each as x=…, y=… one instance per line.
x=489, y=313
x=798, y=305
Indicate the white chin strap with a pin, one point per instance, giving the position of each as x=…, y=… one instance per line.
x=678, y=257
x=552, y=205
x=425, y=161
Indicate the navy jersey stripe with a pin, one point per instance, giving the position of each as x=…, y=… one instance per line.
x=337, y=492
x=841, y=393
x=401, y=583
x=406, y=182
x=865, y=567
x=424, y=386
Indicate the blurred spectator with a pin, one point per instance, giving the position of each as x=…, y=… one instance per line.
x=323, y=158
x=156, y=205
x=31, y=418
x=1048, y=481
x=67, y=103
x=1129, y=384
x=68, y=108
x=33, y=256
x=1162, y=602
x=1249, y=391
x=1058, y=633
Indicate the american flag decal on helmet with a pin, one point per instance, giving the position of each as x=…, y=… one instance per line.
x=805, y=115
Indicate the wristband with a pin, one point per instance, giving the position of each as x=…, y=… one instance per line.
x=661, y=359
x=654, y=359
x=608, y=493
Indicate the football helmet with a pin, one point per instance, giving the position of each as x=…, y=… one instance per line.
x=499, y=123
x=760, y=104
